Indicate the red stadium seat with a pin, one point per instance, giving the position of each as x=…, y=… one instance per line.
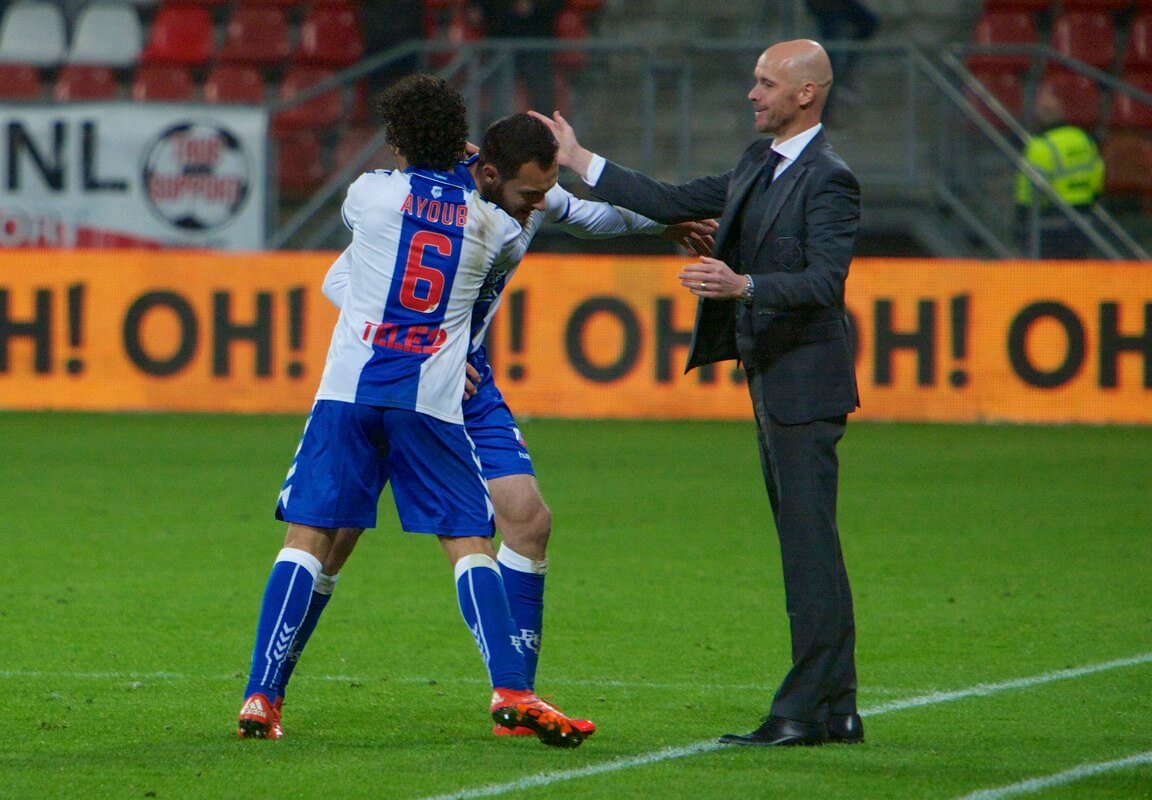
x=570, y=27
x=234, y=83
x=300, y=164
x=330, y=36
x=353, y=141
x=1005, y=86
x=180, y=34
x=1080, y=96
x=1095, y=5
x=1128, y=166
x=319, y=112
x=1003, y=28
x=85, y=82
x=20, y=82
x=257, y=36
x=1086, y=36
x=163, y=83
x=1129, y=113
x=1138, y=55
x=452, y=24
x=1029, y=6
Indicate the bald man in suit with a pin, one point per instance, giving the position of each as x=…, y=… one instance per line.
x=773, y=297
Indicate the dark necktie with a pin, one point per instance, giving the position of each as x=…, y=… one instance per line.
x=755, y=203
x=769, y=171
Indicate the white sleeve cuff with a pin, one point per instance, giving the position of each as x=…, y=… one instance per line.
x=595, y=167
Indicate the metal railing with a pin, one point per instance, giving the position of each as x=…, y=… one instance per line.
x=923, y=146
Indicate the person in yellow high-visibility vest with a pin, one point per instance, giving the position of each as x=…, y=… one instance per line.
x=1069, y=158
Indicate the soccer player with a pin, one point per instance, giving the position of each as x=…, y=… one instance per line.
x=389, y=404
x=516, y=169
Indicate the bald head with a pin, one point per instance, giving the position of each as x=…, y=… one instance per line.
x=792, y=83
x=804, y=60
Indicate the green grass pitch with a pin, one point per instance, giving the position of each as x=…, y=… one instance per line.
x=1003, y=582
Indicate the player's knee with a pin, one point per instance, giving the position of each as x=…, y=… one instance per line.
x=528, y=531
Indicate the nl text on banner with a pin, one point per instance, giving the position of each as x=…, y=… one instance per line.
x=132, y=175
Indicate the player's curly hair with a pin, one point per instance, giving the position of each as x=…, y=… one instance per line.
x=512, y=142
x=426, y=121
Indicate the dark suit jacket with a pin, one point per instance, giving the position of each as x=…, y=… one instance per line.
x=795, y=332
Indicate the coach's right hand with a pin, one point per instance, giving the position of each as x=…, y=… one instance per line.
x=571, y=154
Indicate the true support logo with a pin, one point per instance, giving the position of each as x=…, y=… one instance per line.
x=197, y=176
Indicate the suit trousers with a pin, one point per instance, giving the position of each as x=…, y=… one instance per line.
x=801, y=473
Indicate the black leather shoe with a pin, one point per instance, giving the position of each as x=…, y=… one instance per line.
x=780, y=732
x=845, y=729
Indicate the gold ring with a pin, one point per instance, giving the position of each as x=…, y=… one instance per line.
x=703, y=285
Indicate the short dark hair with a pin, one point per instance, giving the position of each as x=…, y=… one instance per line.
x=512, y=142
x=426, y=121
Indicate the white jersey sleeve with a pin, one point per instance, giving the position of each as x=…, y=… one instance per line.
x=422, y=247
x=593, y=219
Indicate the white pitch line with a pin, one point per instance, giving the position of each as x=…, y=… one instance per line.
x=1060, y=778
x=708, y=745
x=415, y=679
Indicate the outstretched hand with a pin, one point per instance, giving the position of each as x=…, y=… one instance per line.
x=695, y=235
x=571, y=154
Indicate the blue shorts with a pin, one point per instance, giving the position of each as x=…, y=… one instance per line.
x=349, y=451
x=492, y=428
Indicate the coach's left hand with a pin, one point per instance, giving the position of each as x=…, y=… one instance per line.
x=712, y=278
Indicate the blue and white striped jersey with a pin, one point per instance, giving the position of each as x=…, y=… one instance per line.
x=423, y=244
x=582, y=218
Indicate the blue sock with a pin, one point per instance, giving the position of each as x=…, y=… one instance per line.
x=484, y=607
x=321, y=594
x=524, y=585
x=285, y=604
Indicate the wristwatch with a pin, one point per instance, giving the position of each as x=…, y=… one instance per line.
x=747, y=296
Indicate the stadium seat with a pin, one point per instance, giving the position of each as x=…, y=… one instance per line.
x=584, y=6
x=163, y=83
x=451, y=24
x=1029, y=6
x=234, y=83
x=1095, y=5
x=257, y=35
x=319, y=112
x=33, y=32
x=1128, y=113
x=300, y=164
x=330, y=36
x=180, y=34
x=20, y=82
x=85, y=82
x=1003, y=28
x=1005, y=86
x=355, y=139
x=570, y=27
x=1086, y=36
x=1138, y=54
x=107, y=33
x=1128, y=167
x=1080, y=96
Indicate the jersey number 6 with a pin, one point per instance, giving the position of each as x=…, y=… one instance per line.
x=418, y=275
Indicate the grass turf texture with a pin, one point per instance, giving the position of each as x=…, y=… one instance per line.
x=137, y=546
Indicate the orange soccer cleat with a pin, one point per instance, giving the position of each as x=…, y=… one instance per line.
x=522, y=713
x=259, y=719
